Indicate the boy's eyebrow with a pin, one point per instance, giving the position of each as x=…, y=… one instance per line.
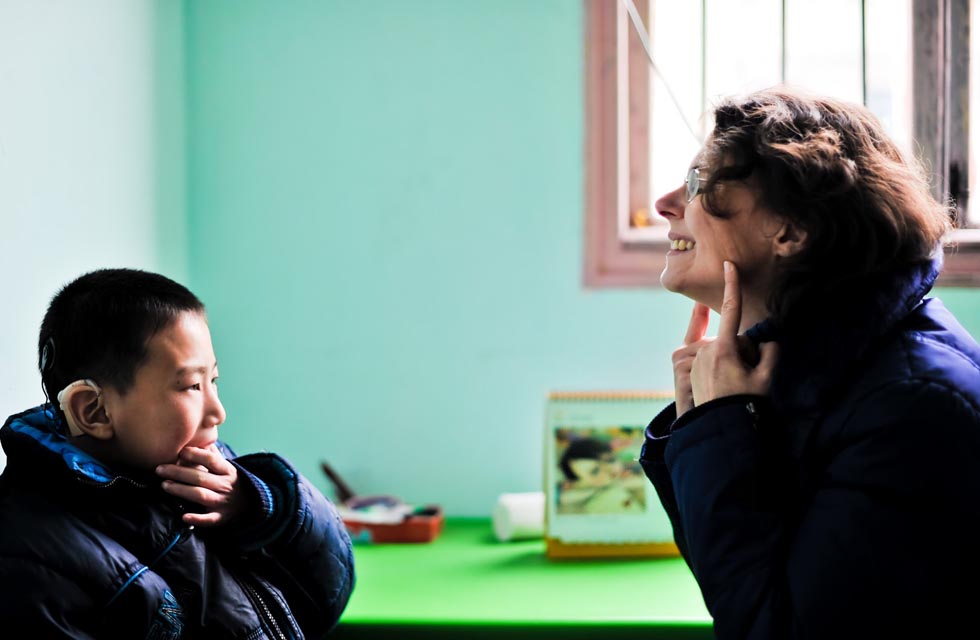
x=202, y=369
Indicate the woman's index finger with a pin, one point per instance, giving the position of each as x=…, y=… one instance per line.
x=731, y=305
x=698, y=325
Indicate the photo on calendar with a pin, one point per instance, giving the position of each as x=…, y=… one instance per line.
x=597, y=470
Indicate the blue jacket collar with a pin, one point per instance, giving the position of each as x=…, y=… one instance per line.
x=818, y=347
x=41, y=430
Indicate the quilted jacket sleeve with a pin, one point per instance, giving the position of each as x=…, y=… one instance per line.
x=300, y=540
x=652, y=461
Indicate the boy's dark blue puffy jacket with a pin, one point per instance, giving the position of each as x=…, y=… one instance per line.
x=847, y=504
x=87, y=553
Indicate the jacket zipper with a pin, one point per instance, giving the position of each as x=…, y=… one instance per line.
x=754, y=413
x=265, y=609
x=105, y=485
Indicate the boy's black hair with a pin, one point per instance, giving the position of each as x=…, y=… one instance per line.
x=587, y=448
x=98, y=326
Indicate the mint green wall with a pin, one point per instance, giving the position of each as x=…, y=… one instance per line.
x=386, y=204
x=965, y=303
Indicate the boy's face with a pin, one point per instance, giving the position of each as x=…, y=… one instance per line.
x=596, y=472
x=173, y=401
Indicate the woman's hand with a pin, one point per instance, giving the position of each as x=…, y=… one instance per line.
x=683, y=358
x=204, y=477
x=720, y=368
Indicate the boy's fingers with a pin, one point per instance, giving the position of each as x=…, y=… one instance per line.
x=181, y=490
x=195, y=455
x=698, y=325
x=202, y=519
x=731, y=305
x=197, y=476
x=191, y=479
x=210, y=458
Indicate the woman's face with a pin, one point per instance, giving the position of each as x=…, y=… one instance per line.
x=701, y=242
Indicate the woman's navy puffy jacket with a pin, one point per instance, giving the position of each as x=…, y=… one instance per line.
x=846, y=504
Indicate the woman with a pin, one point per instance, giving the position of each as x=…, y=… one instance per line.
x=821, y=463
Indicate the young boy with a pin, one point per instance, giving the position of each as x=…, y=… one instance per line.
x=123, y=516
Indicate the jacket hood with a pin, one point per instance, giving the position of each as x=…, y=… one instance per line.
x=817, y=348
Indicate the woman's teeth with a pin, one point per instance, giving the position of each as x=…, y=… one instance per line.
x=681, y=245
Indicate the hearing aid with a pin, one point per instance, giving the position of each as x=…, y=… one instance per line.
x=63, y=396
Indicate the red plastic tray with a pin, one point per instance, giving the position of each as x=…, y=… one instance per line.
x=424, y=526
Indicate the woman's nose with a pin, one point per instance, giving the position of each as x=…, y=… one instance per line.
x=672, y=203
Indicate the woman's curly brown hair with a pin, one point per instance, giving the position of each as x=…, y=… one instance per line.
x=828, y=167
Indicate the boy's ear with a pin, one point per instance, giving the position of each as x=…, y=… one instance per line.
x=789, y=240
x=85, y=412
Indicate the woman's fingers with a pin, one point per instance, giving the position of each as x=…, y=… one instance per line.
x=683, y=358
x=709, y=368
x=768, y=357
x=698, y=326
x=717, y=372
x=731, y=306
x=688, y=351
x=731, y=364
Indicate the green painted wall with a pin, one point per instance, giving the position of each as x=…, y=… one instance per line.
x=385, y=207
x=965, y=303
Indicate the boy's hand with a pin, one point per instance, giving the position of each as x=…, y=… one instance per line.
x=204, y=477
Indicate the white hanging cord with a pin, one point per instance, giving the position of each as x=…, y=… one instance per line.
x=641, y=31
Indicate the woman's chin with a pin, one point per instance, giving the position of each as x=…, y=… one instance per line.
x=669, y=282
x=677, y=285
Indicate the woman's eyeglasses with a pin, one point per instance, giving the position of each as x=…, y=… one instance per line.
x=693, y=183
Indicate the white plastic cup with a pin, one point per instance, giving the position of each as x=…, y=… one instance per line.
x=519, y=516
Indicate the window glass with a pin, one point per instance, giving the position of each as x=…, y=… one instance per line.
x=889, y=64
x=823, y=47
x=676, y=39
x=737, y=63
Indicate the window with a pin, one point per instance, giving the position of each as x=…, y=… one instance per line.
x=643, y=124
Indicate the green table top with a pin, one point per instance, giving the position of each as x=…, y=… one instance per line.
x=466, y=577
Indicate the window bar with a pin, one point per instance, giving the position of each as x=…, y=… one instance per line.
x=957, y=94
x=864, y=52
x=704, y=64
x=782, y=44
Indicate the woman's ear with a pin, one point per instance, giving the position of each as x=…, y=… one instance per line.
x=789, y=240
x=85, y=412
